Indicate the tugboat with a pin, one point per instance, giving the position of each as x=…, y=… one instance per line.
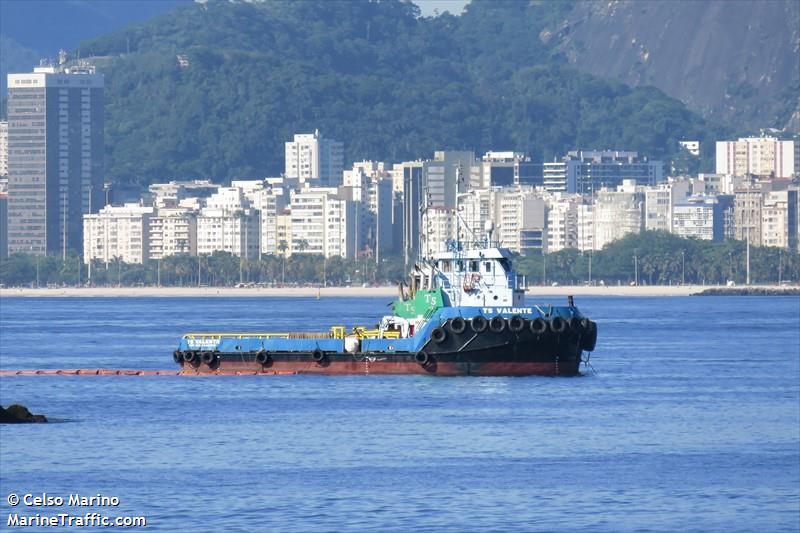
x=463, y=312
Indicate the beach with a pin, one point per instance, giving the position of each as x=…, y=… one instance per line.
x=384, y=291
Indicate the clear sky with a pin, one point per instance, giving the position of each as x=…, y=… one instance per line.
x=453, y=6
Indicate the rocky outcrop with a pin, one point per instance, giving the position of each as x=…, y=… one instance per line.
x=19, y=414
x=750, y=291
x=737, y=61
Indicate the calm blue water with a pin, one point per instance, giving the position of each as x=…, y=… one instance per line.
x=692, y=422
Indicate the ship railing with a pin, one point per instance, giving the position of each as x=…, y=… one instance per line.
x=336, y=332
x=260, y=335
x=517, y=282
x=364, y=333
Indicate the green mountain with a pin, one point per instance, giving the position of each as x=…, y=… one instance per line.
x=388, y=83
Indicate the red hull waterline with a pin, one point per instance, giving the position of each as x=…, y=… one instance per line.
x=366, y=367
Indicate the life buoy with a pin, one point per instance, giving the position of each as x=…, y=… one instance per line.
x=177, y=356
x=317, y=355
x=538, y=326
x=189, y=356
x=458, y=325
x=479, y=324
x=497, y=324
x=558, y=325
x=516, y=323
x=438, y=335
x=207, y=357
x=262, y=357
x=421, y=358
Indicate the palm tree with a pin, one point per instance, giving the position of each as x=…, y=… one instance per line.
x=282, y=247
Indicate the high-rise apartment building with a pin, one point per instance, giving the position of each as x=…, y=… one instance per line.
x=562, y=222
x=323, y=223
x=228, y=224
x=747, y=214
x=3, y=148
x=55, y=156
x=759, y=156
x=271, y=202
x=505, y=169
x=587, y=171
x=779, y=219
x=701, y=217
x=659, y=202
x=3, y=218
x=519, y=218
x=173, y=231
x=117, y=232
x=312, y=159
x=618, y=213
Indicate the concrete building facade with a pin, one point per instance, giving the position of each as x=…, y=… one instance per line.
x=3, y=148
x=55, y=157
x=121, y=232
x=758, y=156
x=173, y=232
x=312, y=159
x=701, y=217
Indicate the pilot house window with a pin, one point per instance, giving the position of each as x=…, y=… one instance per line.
x=487, y=266
x=474, y=266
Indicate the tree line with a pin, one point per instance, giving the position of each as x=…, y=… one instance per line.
x=650, y=258
x=661, y=258
x=220, y=269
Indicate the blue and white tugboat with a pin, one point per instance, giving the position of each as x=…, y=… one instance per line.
x=462, y=313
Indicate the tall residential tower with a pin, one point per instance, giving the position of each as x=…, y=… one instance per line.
x=312, y=159
x=55, y=156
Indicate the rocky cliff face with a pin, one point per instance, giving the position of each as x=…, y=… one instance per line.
x=732, y=60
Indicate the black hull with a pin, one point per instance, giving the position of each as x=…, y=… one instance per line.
x=466, y=353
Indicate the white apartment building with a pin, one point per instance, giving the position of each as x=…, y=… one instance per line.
x=717, y=183
x=170, y=195
x=618, y=213
x=659, y=202
x=779, y=219
x=699, y=217
x=271, y=203
x=759, y=156
x=173, y=232
x=227, y=230
x=520, y=219
x=3, y=148
x=229, y=224
x=439, y=226
x=312, y=159
x=586, y=226
x=562, y=222
x=476, y=208
x=322, y=223
x=117, y=232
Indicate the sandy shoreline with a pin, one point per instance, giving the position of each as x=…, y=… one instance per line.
x=386, y=292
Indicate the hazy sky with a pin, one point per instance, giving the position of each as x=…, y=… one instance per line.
x=453, y=6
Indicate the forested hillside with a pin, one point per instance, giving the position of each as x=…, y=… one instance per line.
x=388, y=83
